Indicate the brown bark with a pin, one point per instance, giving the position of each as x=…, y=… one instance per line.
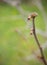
x=40, y=48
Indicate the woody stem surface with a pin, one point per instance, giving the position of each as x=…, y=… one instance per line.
x=40, y=48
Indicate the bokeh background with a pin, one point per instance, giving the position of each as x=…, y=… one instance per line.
x=17, y=46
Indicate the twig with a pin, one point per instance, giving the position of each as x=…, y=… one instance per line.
x=33, y=15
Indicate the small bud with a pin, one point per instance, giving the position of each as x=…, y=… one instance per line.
x=33, y=15
x=31, y=32
x=29, y=17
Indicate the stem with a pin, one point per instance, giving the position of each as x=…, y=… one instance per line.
x=40, y=48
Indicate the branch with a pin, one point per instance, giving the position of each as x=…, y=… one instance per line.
x=33, y=15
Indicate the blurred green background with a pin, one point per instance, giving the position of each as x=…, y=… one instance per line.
x=16, y=43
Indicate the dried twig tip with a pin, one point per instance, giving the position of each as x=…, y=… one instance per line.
x=33, y=15
x=29, y=17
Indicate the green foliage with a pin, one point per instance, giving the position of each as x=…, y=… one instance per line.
x=7, y=10
x=44, y=3
x=25, y=1
x=13, y=47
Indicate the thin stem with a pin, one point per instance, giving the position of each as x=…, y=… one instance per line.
x=40, y=48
